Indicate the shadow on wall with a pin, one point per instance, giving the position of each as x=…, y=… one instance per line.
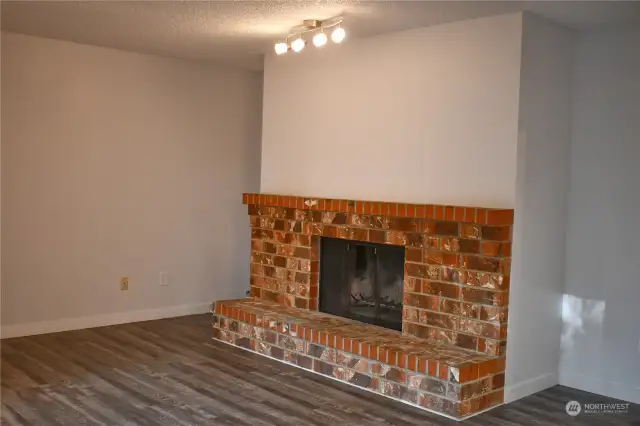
x=580, y=318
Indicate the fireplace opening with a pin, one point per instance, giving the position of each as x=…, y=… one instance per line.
x=362, y=281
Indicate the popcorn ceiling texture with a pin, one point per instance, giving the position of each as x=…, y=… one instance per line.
x=240, y=32
x=456, y=288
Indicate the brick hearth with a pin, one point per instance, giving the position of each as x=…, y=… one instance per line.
x=457, y=263
x=442, y=378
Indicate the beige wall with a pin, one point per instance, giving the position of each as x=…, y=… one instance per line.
x=120, y=164
x=601, y=333
x=426, y=115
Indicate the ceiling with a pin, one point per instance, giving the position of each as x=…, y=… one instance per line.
x=238, y=33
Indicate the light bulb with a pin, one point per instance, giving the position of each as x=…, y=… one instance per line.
x=281, y=48
x=320, y=39
x=297, y=45
x=338, y=35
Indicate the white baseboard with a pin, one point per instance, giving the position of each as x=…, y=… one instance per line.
x=593, y=384
x=66, y=324
x=528, y=387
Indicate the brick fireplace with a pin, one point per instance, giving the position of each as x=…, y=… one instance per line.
x=449, y=357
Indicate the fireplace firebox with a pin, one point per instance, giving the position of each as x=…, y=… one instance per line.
x=362, y=281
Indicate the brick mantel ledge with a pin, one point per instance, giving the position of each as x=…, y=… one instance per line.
x=479, y=215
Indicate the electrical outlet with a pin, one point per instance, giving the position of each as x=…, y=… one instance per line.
x=124, y=283
x=164, y=279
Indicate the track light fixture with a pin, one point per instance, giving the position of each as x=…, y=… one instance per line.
x=319, y=38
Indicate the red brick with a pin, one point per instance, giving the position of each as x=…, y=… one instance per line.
x=367, y=207
x=391, y=209
x=496, y=233
x=481, y=216
x=323, y=338
x=495, y=249
x=465, y=373
x=339, y=340
x=402, y=360
x=365, y=350
x=443, y=371
x=486, y=368
x=413, y=255
x=449, y=213
x=412, y=362
x=500, y=217
x=377, y=236
x=432, y=368
x=430, y=211
x=446, y=228
x=470, y=231
x=469, y=215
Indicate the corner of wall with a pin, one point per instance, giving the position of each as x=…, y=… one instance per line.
x=535, y=308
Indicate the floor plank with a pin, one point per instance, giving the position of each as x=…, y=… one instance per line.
x=170, y=372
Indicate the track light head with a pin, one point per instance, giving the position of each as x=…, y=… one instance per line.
x=281, y=48
x=320, y=39
x=298, y=44
x=338, y=35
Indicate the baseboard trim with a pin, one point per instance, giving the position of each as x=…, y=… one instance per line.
x=528, y=387
x=596, y=385
x=78, y=323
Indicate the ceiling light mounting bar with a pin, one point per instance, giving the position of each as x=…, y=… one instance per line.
x=309, y=26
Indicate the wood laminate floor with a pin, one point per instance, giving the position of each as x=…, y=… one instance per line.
x=170, y=372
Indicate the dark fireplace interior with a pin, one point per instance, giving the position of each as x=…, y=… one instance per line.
x=362, y=281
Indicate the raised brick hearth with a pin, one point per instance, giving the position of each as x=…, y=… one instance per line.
x=450, y=354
